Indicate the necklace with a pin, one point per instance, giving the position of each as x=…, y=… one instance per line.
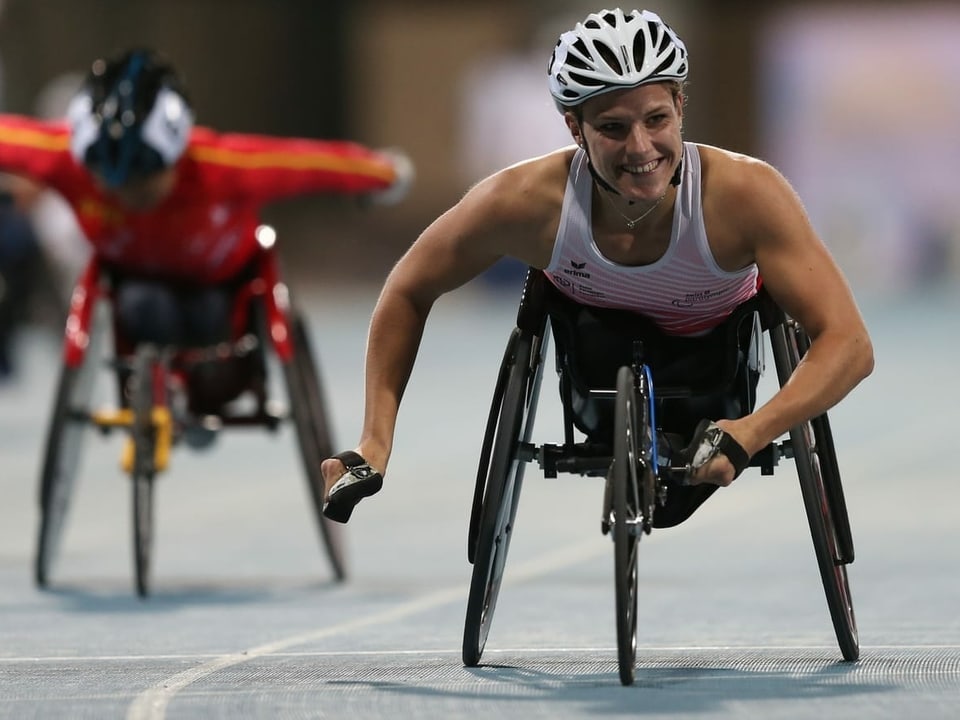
x=632, y=222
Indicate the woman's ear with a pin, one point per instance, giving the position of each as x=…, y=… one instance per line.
x=573, y=125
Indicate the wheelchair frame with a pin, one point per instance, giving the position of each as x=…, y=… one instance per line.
x=636, y=482
x=148, y=399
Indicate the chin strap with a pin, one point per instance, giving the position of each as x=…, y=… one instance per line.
x=675, y=180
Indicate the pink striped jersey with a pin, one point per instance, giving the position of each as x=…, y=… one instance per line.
x=685, y=292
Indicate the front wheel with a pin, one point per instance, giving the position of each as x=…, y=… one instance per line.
x=627, y=522
x=147, y=371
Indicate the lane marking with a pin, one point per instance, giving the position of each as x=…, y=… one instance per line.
x=455, y=651
x=152, y=703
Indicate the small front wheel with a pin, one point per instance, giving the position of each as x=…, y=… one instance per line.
x=627, y=522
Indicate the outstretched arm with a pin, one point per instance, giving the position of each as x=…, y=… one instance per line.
x=496, y=218
x=802, y=277
x=35, y=149
x=267, y=168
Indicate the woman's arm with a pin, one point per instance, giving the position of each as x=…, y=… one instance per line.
x=805, y=281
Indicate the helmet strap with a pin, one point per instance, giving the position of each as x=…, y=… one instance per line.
x=675, y=180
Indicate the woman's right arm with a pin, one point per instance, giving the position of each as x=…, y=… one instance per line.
x=494, y=219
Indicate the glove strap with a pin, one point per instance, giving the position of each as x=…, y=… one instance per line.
x=708, y=440
x=735, y=453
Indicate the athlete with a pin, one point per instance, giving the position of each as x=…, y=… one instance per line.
x=629, y=217
x=171, y=208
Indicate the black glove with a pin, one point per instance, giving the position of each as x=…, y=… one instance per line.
x=708, y=440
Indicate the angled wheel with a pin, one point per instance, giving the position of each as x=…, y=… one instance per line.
x=816, y=469
x=142, y=384
x=826, y=451
x=66, y=436
x=510, y=423
x=314, y=437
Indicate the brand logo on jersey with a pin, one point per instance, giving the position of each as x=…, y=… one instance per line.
x=577, y=270
x=697, y=298
x=590, y=292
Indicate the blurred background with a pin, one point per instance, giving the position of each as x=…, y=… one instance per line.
x=858, y=103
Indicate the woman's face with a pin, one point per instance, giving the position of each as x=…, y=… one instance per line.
x=633, y=138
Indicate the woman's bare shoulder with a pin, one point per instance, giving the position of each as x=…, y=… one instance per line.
x=528, y=189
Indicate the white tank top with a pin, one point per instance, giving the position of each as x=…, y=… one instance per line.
x=685, y=292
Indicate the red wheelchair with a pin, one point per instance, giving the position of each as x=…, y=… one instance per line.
x=154, y=406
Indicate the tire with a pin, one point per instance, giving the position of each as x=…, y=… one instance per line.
x=308, y=410
x=64, y=447
x=826, y=451
x=629, y=471
x=143, y=432
x=523, y=368
x=63, y=451
x=486, y=448
x=818, y=505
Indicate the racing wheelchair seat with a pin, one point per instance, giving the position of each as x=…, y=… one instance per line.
x=636, y=395
x=713, y=375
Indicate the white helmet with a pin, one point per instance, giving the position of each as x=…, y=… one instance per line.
x=611, y=50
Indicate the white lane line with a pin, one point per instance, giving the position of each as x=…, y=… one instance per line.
x=152, y=703
x=455, y=651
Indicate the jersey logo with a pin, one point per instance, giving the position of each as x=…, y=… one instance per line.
x=577, y=270
x=697, y=298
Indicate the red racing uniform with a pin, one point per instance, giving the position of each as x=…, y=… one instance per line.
x=203, y=231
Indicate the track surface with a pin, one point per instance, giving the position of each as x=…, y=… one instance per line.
x=244, y=620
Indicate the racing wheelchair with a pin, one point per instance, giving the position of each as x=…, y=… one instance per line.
x=158, y=404
x=637, y=403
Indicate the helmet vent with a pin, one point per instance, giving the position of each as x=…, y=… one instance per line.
x=581, y=47
x=639, y=50
x=584, y=80
x=667, y=62
x=609, y=57
x=664, y=41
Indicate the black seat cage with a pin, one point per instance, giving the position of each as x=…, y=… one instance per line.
x=541, y=303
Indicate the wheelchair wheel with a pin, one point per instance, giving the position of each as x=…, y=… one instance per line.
x=828, y=462
x=144, y=375
x=628, y=520
x=509, y=424
x=61, y=462
x=815, y=473
x=314, y=437
x=63, y=450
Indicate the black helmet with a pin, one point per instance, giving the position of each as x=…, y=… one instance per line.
x=131, y=118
